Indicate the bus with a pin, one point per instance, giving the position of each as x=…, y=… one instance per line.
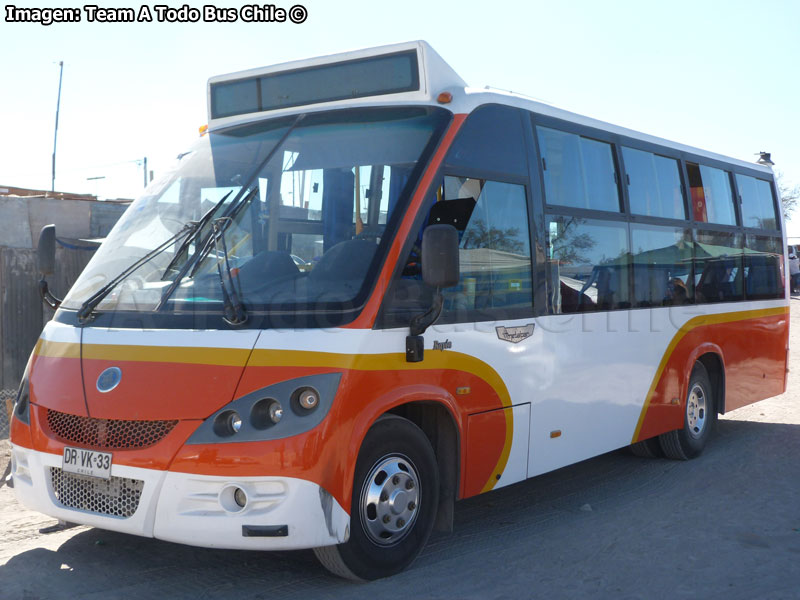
x=368, y=291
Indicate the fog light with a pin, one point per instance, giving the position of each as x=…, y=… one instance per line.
x=233, y=498
x=275, y=412
x=308, y=398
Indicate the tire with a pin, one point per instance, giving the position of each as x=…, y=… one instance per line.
x=699, y=418
x=649, y=448
x=395, y=497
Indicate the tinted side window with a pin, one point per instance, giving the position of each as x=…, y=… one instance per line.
x=589, y=262
x=758, y=207
x=712, y=199
x=654, y=184
x=578, y=172
x=718, y=267
x=763, y=267
x=494, y=249
x=662, y=265
x=491, y=140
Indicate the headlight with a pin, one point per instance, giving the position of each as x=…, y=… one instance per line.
x=261, y=416
x=266, y=413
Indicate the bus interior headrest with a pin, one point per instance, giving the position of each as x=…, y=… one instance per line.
x=454, y=212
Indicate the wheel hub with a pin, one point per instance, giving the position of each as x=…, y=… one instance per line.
x=696, y=411
x=390, y=500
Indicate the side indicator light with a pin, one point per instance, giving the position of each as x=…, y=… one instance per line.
x=445, y=98
x=203, y=129
x=463, y=391
x=554, y=434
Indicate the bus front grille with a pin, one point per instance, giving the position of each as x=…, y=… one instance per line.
x=112, y=434
x=115, y=497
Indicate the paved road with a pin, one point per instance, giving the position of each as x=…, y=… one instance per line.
x=726, y=525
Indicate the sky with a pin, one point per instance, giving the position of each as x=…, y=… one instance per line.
x=718, y=75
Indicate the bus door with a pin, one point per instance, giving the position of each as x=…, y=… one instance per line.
x=485, y=337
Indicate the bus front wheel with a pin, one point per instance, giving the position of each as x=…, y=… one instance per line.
x=395, y=495
x=699, y=416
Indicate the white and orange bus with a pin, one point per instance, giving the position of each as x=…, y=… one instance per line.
x=370, y=291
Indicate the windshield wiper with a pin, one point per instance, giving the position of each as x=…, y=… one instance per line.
x=227, y=218
x=233, y=309
x=199, y=224
x=87, y=308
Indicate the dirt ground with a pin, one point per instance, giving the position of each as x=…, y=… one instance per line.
x=726, y=525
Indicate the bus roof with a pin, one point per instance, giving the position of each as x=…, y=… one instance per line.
x=409, y=73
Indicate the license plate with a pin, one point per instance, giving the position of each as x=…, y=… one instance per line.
x=87, y=462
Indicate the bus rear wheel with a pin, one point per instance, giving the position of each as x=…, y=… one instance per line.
x=395, y=495
x=699, y=417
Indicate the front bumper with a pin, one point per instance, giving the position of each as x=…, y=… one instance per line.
x=281, y=513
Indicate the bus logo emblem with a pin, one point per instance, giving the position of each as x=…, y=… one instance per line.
x=109, y=379
x=514, y=334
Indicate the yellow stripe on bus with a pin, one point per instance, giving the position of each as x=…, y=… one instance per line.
x=226, y=357
x=57, y=349
x=234, y=357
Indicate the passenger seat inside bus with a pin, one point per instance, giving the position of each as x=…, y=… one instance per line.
x=347, y=261
x=267, y=268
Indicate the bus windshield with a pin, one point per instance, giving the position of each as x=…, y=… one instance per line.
x=307, y=206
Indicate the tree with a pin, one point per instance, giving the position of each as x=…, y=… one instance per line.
x=789, y=194
x=568, y=245
x=478, y=235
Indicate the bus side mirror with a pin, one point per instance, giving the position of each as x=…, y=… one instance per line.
x=46, y=250
x=440, y=269
x=46, y=259
x=440, y=256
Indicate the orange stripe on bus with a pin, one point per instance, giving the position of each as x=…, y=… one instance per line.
x=393, y=361
x=690, y=325
x=397, y=362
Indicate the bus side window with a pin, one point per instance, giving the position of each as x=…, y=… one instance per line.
x=589, y=262
x=718, y=266
x=494, y=254
x=662, y=265
x=494, y=249
x=763, y=267
x=711, y=193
